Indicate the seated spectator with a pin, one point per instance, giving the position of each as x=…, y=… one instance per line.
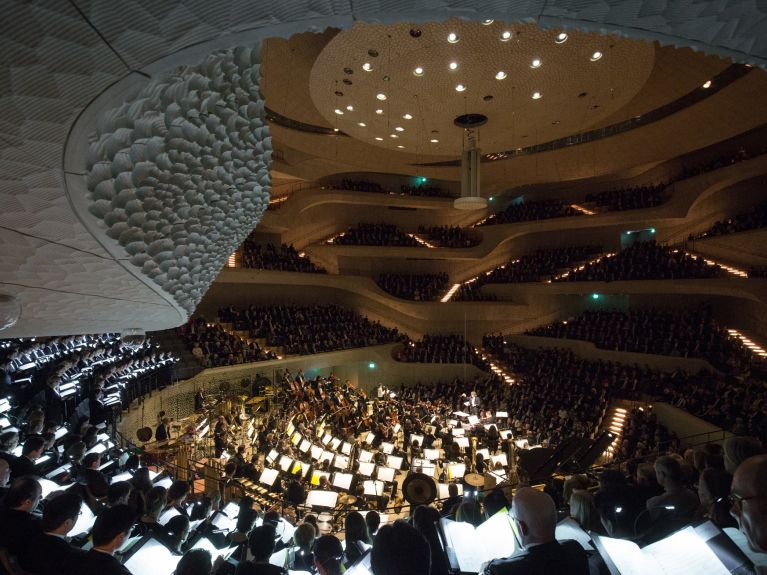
x=535, y=515
x=17, y=524
x=738, y=449
x=629, y=198
x=260, y=547
x=441, y=349
x=400, y=549
x=449, y=236
x=684, y=503
x=328, y=555
x=48, y=553
x=752, y=219
x=109, y=532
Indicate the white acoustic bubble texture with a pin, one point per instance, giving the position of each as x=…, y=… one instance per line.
x=180, y=174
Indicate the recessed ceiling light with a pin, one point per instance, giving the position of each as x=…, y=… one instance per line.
x=596, y=56
x=408, y=117
x=400, y=146
x=487, y=22
x=400, y=129
x=505, y=36
x=381, y=96
x=379, y=111
x=434, y=140
x=367, y=66
x=537, y=95
x=361, y=124
x=418, y=71
x=393, y=136
x=453, y=65
x=500, y=75
x=536, y=63
x=335, y=129
x=561, y=38
x=379, y=139
x=339, y=112
x=707, y=84
x=460, y=88
x=350, y=108
x=452, y=38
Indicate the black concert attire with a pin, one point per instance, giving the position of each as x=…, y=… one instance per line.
x=553, y=557
x=219, y=438
x=248, y=568
x=96, y=563
x=48, y=554
x=161, y=433
x=16, y=529
x=95, y=481
x=22, y=466
x=199, y=401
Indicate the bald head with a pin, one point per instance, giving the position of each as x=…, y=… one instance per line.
x=535, y=514
x=750, y=484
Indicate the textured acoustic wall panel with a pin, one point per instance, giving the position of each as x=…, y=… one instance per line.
x=180, y=175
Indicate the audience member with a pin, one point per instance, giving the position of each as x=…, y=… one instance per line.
x=423, y=287
x=738, y=449
x=449, y=236
x=400, y=549
x=753, y=219
x=17, y=524
x=109, y=533
x=530, y=211
x=269, y=257
x=749, y=501
x=440, y=349
x=375, y=235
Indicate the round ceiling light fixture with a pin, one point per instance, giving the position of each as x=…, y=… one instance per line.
x=537, y=95
x=460, y=88
x=487, y=22
x=453, y=65
x=380, y=139
x=393, y=136
x=536, y=63
x=561, y=38
x=379, y=111
x=418, y=71
x=400, y=146
x=434, y=140
x=407, y=117
x=505, y=36
x=596, y=56
x=399, y=129
x=381, y=96
x=707, y=84
x=501, y=75
x=361, y=124
x=367, y=66
x=350, y=108
x=339, y=112
x=452, y=38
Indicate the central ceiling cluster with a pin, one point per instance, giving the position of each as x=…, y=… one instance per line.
x=400, y=86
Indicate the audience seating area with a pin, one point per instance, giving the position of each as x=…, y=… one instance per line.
x=750, y=220
x=539, y=266
x=424, y=287
x=307, y=330
x=269, y=257
x=404, y=189
x=449, y=236
x=675, y=333
x=375, y=235
x=440, y=349
x=628, y=198
x=530, y=211
x=645, y=261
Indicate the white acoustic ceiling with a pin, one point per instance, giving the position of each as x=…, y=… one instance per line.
x=65, y=65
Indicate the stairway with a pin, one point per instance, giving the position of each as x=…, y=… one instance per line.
x=170, y=341
x=613, y=422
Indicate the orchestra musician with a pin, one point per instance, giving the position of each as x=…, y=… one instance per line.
x=219, y=435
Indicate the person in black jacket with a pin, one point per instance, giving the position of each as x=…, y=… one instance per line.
x=261, y=547
x=17, y=524
x=48, y=552
x=25, y=465
x=535, y=515
x=109, y=533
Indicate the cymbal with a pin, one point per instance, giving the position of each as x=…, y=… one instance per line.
x=346, y=499
x=474, y=479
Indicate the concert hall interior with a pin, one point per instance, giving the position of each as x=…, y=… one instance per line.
x=387, y=287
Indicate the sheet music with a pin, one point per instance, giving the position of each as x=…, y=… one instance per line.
x=317, y=498
x=168, y=515
x=268, y=476
x=462, y=538
x=366, y=456
x=496, y=536
x=626, y=556
x=366, y=468
x=152, y=559
x=568, y=528
x=684, y=553
x=386, y=474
